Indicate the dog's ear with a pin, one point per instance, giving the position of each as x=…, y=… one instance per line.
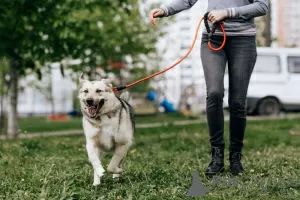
x=81, y=78
x=108, y=82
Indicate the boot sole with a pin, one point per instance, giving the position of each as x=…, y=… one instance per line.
x=236, y=173
x=215, y=173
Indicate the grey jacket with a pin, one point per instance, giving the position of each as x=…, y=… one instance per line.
x=241, y=13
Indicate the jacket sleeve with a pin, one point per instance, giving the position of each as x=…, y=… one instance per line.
x=256, y=9
x=177, y=6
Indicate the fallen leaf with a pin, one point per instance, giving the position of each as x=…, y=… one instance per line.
x=133, y=151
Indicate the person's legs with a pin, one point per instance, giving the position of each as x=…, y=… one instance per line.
x=214, y=68
x=241, y=54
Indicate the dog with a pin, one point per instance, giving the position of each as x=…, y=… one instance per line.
x=108, y=124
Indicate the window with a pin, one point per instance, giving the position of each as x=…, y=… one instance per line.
x=186, y=76
x=185, y=46
x=294, y=64
x=184, y=28
x=22, y=98
x=185, y=37
x=186, y=72
x=184, y=18
x=186, y=66
x=267, y=64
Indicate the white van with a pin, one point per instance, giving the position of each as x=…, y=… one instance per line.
x=275, y=82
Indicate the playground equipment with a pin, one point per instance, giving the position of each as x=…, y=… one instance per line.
x=167, y=105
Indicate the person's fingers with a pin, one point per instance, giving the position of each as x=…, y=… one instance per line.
x=157, y=14
x=151, y=17
x=211, y=18
x=154, y=14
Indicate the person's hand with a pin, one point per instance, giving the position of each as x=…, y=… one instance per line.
x=155, y=13
x=217, y=15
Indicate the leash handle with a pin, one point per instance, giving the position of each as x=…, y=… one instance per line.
x=205, y=18
x=214, y=26
x=212, y=31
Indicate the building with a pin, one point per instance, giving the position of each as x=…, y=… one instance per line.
x=53, y=94
x=173, y=46
x=288, y=29
x=281, y=28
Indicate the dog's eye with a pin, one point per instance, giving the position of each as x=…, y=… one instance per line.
x=98, y=91
x=85, y=91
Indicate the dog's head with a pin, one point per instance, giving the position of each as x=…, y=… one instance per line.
x=94, y=94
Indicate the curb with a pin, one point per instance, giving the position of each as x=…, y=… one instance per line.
x=141, y=126
x=78, y=132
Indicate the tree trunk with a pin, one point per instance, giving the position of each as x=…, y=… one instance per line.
x=12, y=116
x=267, y=31
x=52, y=106
x=50, y=90
x=2, y=103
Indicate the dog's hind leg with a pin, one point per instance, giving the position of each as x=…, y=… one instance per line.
x=116, y=161
x=116, y=175
x=120, y=166
x=94, y=157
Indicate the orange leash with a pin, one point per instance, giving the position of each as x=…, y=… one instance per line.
x=118, y=88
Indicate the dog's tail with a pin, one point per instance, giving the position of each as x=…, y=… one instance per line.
x=125, y=95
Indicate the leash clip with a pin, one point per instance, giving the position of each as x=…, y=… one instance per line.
x=119, y=88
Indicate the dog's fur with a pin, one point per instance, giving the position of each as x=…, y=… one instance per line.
x=108, y=124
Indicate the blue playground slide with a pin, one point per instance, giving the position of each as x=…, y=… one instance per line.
x=168, y=106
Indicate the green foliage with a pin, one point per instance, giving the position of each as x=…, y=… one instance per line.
x=39, y=31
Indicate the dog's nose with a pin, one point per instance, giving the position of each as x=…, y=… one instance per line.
x=90, y=102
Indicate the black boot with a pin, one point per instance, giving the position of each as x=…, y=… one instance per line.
x=216, y=166
x=236, y=166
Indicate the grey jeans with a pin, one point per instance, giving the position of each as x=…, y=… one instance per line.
x=240, y=54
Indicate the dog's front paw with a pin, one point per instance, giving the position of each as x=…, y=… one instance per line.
x=96, y=182
x=100, y=172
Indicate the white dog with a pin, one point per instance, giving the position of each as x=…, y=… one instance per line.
x=108, y=123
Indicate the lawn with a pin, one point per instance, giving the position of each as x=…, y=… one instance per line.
x=42, y=124
x=159, y=166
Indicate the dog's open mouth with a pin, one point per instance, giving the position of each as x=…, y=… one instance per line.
x=94, y=110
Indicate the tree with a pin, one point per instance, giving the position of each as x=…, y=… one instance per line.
x=45, y=87
x=34, y=32
x=267, y=31
x=3, y=71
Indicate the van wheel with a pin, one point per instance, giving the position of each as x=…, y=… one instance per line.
x=269, y=106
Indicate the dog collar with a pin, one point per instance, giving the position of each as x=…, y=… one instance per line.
x=111, y=112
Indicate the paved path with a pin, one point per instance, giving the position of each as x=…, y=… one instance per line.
x=148, y=125
x=77, y=132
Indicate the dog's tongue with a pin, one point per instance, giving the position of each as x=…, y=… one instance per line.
x=92, y=110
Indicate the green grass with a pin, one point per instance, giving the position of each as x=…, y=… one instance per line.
x=41, y=124
x=159, y=166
